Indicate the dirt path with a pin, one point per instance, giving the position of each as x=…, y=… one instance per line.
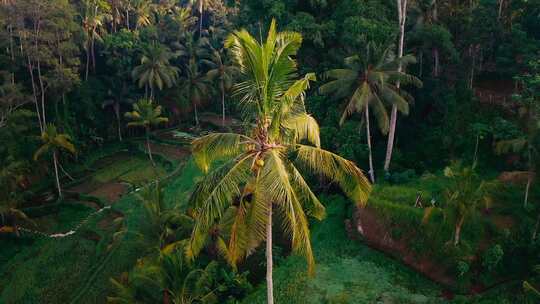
x=111, y=192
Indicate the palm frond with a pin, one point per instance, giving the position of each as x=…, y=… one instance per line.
x=216, y=146
x=339, y=170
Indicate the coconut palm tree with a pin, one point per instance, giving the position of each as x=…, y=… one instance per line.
x=143, y=11
x=402, y=17
x=194, y=86
x=223, y=74
x=202, y=6
x=54, y=142
x=155, y=70
x=369, y=82
x=146, y=115
x=463, y=197
x=168, y=279
x=261, y=169
x=93, y=22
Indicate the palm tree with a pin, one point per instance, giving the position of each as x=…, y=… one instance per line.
x=114, y=101
x=54, y=142
x=261, y=169
x=144, y=12
x=202, y=5
x=155, y=70
x=368, y=82
x=169, y=279
x=146, y=115
x=194, y=85
x=402, y=17
x=93, y=25
x=222, y=73
x=183, y=18
x=463, y=196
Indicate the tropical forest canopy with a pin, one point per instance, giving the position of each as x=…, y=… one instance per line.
x=261, y=151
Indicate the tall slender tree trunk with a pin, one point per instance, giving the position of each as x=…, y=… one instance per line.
x=58, y=187
x=269, y=262
x=201, y=3
x=34, y=93
x=536, y=226
x=42, y=93
x=149, y=149
x=436, y=68
x=127, y=19
x=87, y=60
x=402, y=12
x=117, y=114
x=435, y=52
x=529, y=177
x=457, y=232
x=472, y=52
x=527, y=188
x=93, y=53
x=222, y=87
x=196, y=114
x=368, y=134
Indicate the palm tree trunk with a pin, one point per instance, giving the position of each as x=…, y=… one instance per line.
x=93, y=55
x=269, y=279
x=201, y=17
x=475, y=157
x=402, y=12
x=368, y=134
x=148, y=147
x=222, y=87
x=535, y=232
x=196, y=114
x=527, y=188
x=529, y=177
x=34, y=93
x=117, y=114
x=391, y=135
x=87, y=59
x=55, y=161
x=457, y=232
x=127, y=19
x=435, y=16
x=42, y=93
x=435, y=62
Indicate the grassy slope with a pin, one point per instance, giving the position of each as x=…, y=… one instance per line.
x=347, y=271
x=78, y=268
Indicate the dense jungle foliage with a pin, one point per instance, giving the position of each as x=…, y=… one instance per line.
x=261, y=151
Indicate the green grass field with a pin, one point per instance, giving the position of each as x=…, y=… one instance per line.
x=78, y=268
